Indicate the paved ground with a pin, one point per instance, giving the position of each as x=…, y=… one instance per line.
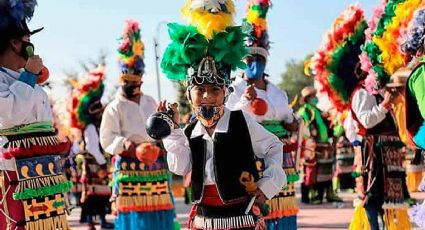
x=325, y=216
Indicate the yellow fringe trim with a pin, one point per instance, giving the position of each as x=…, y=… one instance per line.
x=413, y=180
x=152, y=200
x=282, y=203
x=396, y=219
x=52, y=223
x=359, y=220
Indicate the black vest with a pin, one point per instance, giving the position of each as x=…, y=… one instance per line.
x=233, y=154
x=386, y=126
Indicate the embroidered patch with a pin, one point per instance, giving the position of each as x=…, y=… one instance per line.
x=144, y=197
x=44, y=207
x=393, y=189
x=36, y=167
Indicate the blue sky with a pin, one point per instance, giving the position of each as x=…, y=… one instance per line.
x=76, y=30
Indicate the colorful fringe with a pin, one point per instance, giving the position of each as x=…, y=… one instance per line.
x=142, y=187
x=280, y=207
x=144, y=203
x=37, y=149
x=359, y=220
x=236, y=222
x=49, y=185
x=284, y=204
x=396, y=218
x=52, y=223
x=46, y=213
x=413, y=177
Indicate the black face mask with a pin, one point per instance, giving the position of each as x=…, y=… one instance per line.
x=24, y=52
x=129, y=90
x=208, y=112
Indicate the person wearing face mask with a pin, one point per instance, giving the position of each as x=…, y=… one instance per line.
x=220, y=147
x=31, y=179
x=318, y=153
x=141, y=187
x=86, y=114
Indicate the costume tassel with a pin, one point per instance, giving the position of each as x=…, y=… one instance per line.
x=52, y=223
x=414, y=177
x=359, y=220
x=397, y=219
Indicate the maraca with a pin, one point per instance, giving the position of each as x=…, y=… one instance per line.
x=44, y=73
x=160, y=124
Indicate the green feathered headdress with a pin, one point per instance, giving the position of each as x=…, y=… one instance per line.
x=205, y=52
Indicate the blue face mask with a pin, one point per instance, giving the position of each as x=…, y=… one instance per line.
x=255, y=70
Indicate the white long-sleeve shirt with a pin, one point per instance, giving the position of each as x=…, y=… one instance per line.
x=368, y=112
x=125, y=120
x=277, y=102
x=20, y=104
x=92, y=144
x=264, y=144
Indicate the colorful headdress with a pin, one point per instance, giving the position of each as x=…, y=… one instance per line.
x=382, y=47
x=131, y=52
x=86, y=99
x=206, y=50
x=14, y=16
x=334, y=64
x=414, y=40
x=258, y=39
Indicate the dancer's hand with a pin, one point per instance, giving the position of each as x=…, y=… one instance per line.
x=261, y=225
x=250, y=92
x=387, y=102
x=130, y=148
x=163, y=106
x=34, y=64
